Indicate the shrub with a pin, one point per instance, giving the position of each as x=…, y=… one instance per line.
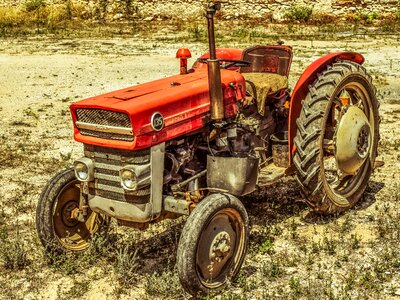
x=367, y=17
x=34, y=5
x=9, y=16
x=12, y=252
x=164, y=284
x=126, y=265
x=324, y=18
x=58, y=15
x=299, y=13
x=397, y=15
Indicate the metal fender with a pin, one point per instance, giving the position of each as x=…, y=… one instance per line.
x=308, y=77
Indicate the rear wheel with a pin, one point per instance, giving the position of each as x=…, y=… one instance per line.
x=213, y=244
x=337, y=138
x=58, y=230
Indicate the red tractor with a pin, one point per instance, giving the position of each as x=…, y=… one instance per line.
x=194, y=143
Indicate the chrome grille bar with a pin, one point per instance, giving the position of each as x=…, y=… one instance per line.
x=104, y=128
x=107, y=164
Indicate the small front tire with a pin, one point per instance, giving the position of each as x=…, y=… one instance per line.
x=57, y=230
x=213, y=244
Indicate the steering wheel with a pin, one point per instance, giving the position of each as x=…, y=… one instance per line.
x=228, y=63
x=234, y=63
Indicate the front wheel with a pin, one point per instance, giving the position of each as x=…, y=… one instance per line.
x=337, y=138
x=57, y=229
x=213, y=244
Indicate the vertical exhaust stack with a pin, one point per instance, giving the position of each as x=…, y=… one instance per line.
x=214, y=71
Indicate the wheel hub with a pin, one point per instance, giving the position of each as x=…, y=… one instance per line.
x=67, y=213
x=353, y=141
x=216, y=246
x=220, y=247
x=363, y=142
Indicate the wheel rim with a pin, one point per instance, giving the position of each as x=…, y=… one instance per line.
x=340, y=184
x=220, y=247
x=71, y=233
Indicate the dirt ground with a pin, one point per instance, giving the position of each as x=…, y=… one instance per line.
x=355, y=255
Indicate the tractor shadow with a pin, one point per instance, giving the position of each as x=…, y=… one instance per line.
x=367, y=199
x=157, y=253
x=266, y=208
x=273, y=204
x=369, y=196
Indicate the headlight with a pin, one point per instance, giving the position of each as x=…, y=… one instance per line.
x=84, y=170
x=128, y=179
x=81, y=171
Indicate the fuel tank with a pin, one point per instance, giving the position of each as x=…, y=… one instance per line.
x=144, y=115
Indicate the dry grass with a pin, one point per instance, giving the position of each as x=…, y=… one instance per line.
x=37, y=17
x=36, y=14
x=352, y=256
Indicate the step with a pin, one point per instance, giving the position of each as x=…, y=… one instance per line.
x=270, y=174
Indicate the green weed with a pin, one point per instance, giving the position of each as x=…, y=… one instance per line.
x=126, y=265
x=13, y=252
x=164, y=284
x=299, y=12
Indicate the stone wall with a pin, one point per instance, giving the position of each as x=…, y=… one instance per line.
x=190, y=9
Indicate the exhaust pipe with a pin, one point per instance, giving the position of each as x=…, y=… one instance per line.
x=214, y=71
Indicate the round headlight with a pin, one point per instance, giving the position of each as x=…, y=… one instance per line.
x=81, y=171
x=128, y=179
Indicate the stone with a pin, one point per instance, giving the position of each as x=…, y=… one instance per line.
x=167, y=9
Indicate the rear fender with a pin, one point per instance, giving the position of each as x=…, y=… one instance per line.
x=306, y=79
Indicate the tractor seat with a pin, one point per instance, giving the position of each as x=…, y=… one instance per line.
x=260, y=85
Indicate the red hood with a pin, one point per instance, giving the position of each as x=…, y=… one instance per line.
x=182, y=100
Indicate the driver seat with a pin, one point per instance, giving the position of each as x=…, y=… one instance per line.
x=267, y=73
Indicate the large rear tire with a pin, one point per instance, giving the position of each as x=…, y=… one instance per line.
x=213, y=244
x=57, y=230
x=327, y=187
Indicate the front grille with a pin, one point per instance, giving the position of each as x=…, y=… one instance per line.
x=103, y=117
x=107, y=163
x=104, y=124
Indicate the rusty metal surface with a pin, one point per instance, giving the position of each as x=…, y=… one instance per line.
x=216, y=95
x=214, y=71
x=280, y=149
x=217, y=244
x=71, y=233
x=210, y=13
x=179, y=206
x=268, y=59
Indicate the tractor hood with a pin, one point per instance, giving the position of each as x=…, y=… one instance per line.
x=158, y=111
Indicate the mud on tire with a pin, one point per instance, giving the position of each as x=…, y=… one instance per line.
x=309, y=157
